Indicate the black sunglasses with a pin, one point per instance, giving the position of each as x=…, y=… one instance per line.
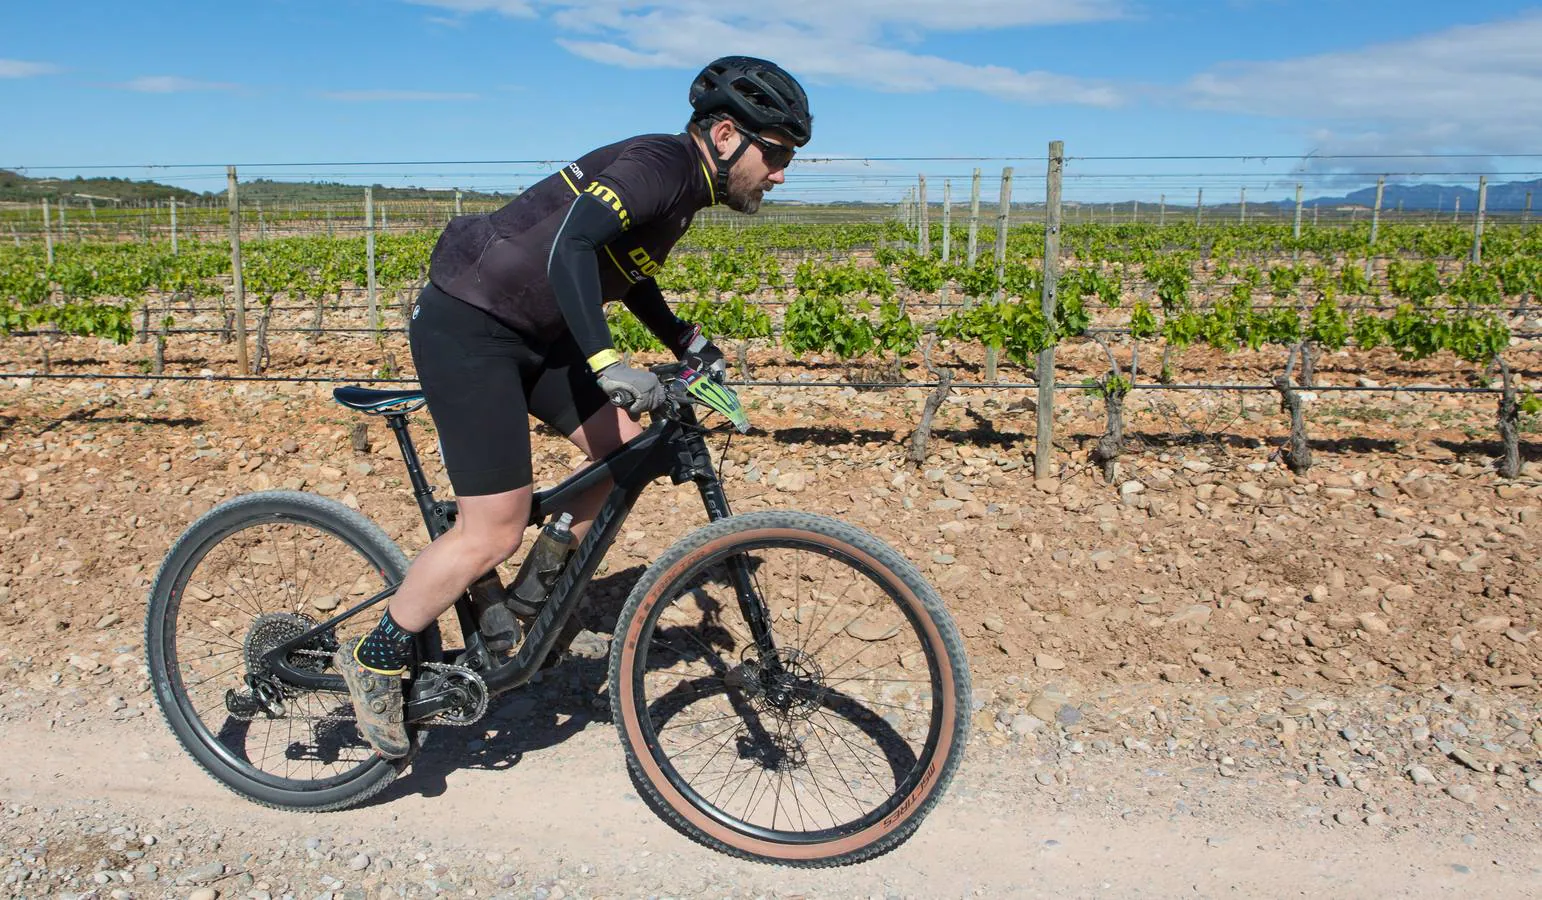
x=777, y=156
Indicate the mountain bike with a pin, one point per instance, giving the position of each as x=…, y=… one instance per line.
x=787, y=687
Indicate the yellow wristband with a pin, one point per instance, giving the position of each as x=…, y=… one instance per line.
x=602, y=359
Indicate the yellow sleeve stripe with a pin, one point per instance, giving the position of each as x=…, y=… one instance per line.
x=564, y=174
x=602, y=359
x=624, y=273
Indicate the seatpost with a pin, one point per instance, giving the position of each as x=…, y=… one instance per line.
x=421, y=491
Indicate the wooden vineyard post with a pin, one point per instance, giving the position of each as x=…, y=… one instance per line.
x=1370, y=247
x=923, y=227
x=235, y=267
x=369, y=255
x=947, y=232
x=1296, y=228
x=457, y=202
x=1526, y=211
x=1199, y=207
x=974, y=222
x=1162, y=211
x=48, y=235
x=947, y=218
x=173, y=226
x=1456, y=211
x=1477, y=225
x=1242, y=213
x=1003, y=213
x=1046, y=366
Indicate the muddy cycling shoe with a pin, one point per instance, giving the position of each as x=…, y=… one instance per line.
x=377, y=702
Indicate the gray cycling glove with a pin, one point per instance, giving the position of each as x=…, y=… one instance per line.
x=635, y=390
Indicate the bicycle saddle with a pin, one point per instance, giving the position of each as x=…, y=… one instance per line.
x=368, y=400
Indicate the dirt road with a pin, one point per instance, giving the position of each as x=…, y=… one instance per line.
x=543, y=809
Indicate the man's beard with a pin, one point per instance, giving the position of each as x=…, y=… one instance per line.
x=744, y=194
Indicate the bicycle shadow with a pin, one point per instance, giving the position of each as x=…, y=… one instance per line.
x=572, y=696
x=558, y=703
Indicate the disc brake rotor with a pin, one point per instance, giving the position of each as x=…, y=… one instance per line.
x=790, y=685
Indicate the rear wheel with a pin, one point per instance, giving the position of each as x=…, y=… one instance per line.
x=830, y=748
x=248, y=575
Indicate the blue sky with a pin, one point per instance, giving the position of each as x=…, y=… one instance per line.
x=318, y=83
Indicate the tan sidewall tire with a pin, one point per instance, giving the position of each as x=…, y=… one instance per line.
x=806, y=527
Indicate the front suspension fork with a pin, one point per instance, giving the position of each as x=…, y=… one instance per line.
x=751, y=606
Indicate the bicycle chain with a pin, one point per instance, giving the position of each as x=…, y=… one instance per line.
x=478, y=707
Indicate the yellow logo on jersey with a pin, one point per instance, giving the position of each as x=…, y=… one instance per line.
x=645, y=264
x=610, y=197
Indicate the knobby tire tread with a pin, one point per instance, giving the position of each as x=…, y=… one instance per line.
x=228, y=517
x=901, y=569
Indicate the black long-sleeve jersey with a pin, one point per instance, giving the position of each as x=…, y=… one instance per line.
x=596, y=230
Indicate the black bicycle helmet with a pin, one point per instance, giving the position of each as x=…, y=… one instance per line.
x=757, y=93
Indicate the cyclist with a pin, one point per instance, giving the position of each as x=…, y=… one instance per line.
x=511, y=323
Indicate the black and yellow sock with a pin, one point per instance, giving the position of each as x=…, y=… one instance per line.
x=387, y=648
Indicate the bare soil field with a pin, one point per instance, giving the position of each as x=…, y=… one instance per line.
x=1209, y=676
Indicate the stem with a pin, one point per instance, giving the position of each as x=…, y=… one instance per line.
x=1298, y=452
x=923, y=432
x=1509, y=425
x=1111, y=445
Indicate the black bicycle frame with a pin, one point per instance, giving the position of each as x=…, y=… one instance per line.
x=673, y=445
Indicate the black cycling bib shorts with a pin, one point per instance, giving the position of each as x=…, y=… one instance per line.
x=482, y=380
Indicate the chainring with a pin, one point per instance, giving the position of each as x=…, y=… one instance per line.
x=472, y=688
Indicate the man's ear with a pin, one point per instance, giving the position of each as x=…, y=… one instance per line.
x=723, y=133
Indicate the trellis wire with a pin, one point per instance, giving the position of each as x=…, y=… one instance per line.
x=868, y=385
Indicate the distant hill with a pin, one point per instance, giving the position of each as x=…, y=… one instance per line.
x=15, y=187
x=265, y=191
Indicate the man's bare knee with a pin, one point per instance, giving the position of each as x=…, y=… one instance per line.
x=491, y=528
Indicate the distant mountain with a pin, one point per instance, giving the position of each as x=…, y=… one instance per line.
x=1506, y=197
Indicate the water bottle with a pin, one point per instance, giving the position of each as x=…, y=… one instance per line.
x=541, y=567
x=500, y=630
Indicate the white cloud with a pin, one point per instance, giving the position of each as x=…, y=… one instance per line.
x=173, y=84
x=396, y=96
x=1471, y=87
x=512, y=8
x=855, y=42
x=20, y=68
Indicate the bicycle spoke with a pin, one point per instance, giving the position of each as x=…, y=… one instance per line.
x=819, y=738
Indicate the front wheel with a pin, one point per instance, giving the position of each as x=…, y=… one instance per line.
x=826, y=744
x=249, y=575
